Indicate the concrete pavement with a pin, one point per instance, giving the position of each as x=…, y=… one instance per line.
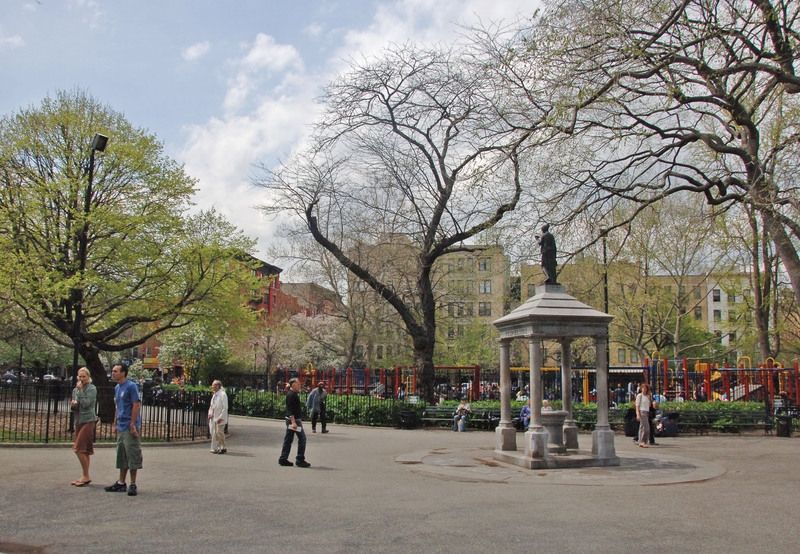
x=387, y=490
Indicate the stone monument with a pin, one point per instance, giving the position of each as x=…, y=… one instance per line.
x=552, y=314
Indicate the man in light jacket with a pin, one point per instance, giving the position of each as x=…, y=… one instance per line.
x=316, y=406
x=218, y=418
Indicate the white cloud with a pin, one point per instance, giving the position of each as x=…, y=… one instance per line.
x=263, y=59
x=196, y=51
x=12, y=42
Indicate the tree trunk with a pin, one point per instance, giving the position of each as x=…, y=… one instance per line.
x=423, y=354
x=105, y=393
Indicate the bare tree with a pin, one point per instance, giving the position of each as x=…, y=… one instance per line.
x=414, y=148
x=686, y=95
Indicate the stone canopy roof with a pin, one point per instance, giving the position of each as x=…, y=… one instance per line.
x=552, y=314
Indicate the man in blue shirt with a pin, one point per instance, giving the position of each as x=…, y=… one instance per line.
x=128, y=424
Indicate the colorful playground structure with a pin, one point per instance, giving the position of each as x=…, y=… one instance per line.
x=674, y=379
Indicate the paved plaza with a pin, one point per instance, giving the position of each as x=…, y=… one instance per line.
x=387, y=490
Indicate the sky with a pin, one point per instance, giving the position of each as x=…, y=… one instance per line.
x=225, y=85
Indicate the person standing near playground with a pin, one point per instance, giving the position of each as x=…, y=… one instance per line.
x=643, y=402
x=84, y=399
x=294, y=426
x=218, y=418
x=316, y=406
x=128, y=424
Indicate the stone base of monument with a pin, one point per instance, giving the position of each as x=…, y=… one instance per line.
x=567, y=460
x=542, y=452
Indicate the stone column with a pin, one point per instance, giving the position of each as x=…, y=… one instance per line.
x=602, y=436
x=536, y=437
x=505, y=434
x=570, y=429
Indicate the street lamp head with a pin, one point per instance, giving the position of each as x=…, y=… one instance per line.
x=99, y=142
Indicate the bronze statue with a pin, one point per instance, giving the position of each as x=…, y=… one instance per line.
x=547, y=243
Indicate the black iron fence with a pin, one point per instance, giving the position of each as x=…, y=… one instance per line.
x=39, y=413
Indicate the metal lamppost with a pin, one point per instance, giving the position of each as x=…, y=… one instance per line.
x=604, y=234
x=99, y=143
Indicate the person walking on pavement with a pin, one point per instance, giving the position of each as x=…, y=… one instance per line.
x=643, y=403
x=294, y=426
x=218, y=418
x=316, y=406
x=84, y=400
x=128, y=424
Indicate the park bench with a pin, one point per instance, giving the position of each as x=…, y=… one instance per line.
x=442, y=416
x=438, y=416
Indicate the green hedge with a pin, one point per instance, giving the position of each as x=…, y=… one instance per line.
x=367, y=410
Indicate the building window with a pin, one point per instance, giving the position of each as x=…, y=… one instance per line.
x=698, y=313
x=717, y=315
x=732, y=337
x=715, y=295
x=731, y=317
x=621, y=355
x=379, y=352
x=460, y=310
x=469, y=309
x=450, y=310
x=485, y=308
x=485, y=287
x=698, y=294
x=484, y=264
x=451, y=333
x=634, y=357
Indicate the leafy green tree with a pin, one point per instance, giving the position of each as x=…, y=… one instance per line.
x=124, y=253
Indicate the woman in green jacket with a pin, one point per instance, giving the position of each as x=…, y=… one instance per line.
x=84, y=399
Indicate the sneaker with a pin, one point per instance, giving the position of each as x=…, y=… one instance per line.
x=117, y=487
x=302, y=463
x=286, y=463
x=223, y=451
x=132, y=490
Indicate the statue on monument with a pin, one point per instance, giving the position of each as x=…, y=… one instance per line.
x=547, y=244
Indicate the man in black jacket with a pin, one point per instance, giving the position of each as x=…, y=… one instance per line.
x=294, y=426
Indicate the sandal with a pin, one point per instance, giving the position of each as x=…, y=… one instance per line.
x=79, y=483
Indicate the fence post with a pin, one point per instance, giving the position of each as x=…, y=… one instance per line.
x=170, y=398
x=47, y=418
x=685, y=380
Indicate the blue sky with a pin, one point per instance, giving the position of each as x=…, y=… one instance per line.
x=224, y=84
